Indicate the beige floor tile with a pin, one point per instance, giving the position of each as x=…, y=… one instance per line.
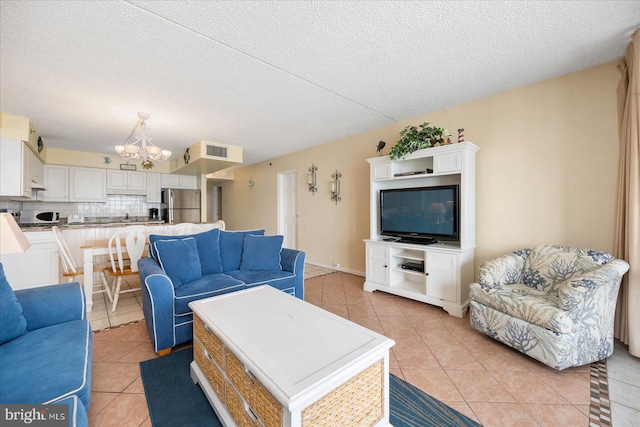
x=116, y=378
x=434, y=382
x=434, y=351
x=526, y=387
x=127, y=317
x=502, y=414
x=478, y=386
x=556, y=415
x=124, y=410
x=99, y=401
x=463, y=408
x=98, y=325
x=135, y=387
x=572, y=386
x=455, y=358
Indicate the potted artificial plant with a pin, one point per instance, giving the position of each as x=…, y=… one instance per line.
x=416, y=139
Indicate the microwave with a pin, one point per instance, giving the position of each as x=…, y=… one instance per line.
x=39, y=217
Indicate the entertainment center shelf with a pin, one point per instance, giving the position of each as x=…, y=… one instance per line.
x=440, y=273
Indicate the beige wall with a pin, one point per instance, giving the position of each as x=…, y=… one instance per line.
x=546, y=173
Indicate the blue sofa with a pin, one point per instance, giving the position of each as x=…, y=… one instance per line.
x=181, y=269
x=45, y=347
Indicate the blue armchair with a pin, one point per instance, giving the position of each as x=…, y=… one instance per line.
x=45, y=347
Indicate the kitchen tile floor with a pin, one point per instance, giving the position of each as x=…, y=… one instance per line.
x=440, y=354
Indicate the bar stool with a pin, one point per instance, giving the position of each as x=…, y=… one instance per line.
x=71, y=269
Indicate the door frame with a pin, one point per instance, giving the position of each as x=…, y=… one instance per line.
x=282, y=209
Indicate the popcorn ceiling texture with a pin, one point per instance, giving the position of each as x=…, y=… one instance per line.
x=278, y=77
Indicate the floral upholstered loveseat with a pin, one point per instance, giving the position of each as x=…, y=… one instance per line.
x=553, y=303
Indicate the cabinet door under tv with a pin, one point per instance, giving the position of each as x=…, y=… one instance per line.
x=422, y=236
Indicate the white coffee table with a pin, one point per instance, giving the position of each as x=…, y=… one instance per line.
x=263, y=357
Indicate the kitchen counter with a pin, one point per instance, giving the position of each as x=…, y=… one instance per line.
x=90, y=224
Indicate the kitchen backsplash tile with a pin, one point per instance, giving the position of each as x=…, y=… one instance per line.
x=116, y=206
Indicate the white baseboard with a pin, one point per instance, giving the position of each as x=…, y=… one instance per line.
x=341, y=269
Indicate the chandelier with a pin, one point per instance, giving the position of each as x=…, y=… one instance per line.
x=138, y=145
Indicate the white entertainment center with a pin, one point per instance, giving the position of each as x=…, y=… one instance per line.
x=448, y=266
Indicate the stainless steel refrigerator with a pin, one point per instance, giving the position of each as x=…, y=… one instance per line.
x=180, y=206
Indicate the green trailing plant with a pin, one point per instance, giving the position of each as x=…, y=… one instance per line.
x=413, y=139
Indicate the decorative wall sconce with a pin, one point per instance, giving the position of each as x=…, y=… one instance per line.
x=312, y=179
x=335, y=187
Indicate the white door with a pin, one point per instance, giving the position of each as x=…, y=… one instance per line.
x=288, y=208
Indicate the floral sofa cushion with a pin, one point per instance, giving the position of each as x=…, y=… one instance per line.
x=549, y=265
x=526, y=303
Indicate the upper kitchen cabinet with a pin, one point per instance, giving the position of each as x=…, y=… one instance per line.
x=56, y=181
x=126, y=182
x=185, y=182
x=87, y=184
x=21, y=128
x=154, y=186
x=21, y=171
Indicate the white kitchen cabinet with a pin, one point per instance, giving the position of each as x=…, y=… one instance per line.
x=15, y=168
x=36, y=170
x=154, y=187
x=87, y=184
x=56, y=181
x=184, y=182
x=37, y=266
x=126, y=182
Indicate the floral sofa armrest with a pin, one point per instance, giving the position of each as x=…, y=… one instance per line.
x=51, y=305
x=502, y=270
x=596, y=284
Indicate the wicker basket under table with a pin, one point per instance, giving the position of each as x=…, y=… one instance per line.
x=264, y=358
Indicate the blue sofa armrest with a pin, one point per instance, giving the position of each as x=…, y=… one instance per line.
x=293, y=261
x=52, y=305
x=157, y=303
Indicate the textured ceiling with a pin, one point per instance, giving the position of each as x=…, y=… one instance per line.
x=278, y=77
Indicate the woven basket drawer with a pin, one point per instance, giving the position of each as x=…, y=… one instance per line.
x=262, y=402
x=358, y=402
x=208, y=366
x=236, y=407
x=210, y=341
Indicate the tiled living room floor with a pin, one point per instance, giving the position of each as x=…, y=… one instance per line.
x=436, y=352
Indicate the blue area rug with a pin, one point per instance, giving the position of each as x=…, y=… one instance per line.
x=174, y=400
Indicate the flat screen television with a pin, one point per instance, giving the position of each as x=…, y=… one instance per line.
x=421, y=215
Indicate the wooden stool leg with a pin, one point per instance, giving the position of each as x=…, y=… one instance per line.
x=107, y=286
x=116, y=293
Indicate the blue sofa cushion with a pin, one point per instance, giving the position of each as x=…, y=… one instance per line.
x=231, y=243
x=36, y=365
x=283, y=280
x=204, y=287
x=261, y=253
x=208, y=244
x=12, y=322
x=179, y=260
x=77, y=414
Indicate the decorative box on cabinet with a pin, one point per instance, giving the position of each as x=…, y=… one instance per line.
x=437, y=274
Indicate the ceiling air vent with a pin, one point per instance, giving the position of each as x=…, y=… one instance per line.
x=213, y=150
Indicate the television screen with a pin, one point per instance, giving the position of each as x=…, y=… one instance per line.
x=425, y=212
